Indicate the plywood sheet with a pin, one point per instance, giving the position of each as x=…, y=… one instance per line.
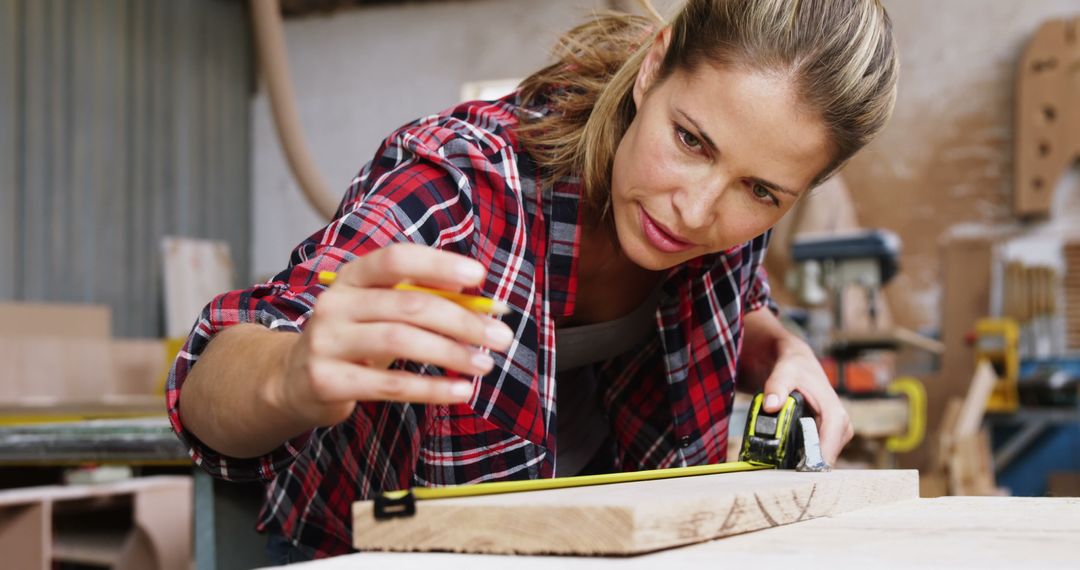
x=195, y=270
x=632, y=517
x=42, y=370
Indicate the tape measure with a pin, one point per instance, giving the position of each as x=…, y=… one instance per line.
x=771, y=441
x=774, y=439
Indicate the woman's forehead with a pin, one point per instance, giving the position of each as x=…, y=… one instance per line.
x=753, y=116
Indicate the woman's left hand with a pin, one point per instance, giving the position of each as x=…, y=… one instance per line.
x=797, y=368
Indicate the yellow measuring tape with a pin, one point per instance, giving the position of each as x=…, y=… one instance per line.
x=497, y=487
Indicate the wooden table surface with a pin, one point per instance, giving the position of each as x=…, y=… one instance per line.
x=947, y=532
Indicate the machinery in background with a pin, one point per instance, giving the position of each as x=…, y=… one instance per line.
x=828, y=268
x=1033, y=409
x=830, y=264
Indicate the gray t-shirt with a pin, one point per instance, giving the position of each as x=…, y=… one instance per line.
x=581, y=427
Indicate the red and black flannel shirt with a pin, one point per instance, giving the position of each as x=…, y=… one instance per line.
x=460, y=181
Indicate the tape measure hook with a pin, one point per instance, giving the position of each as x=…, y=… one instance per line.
x=389, y=508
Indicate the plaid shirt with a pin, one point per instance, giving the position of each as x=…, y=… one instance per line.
x=460, y=181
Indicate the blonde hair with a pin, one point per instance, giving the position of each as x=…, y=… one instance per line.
x=839, y=54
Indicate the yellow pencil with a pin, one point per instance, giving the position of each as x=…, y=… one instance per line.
x=471, y=302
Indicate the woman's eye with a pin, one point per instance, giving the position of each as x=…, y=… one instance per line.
x=762, y=193
x=688, y=138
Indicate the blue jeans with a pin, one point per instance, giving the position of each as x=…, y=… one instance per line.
x=282, y=551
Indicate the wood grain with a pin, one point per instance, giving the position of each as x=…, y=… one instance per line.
x=629, y=518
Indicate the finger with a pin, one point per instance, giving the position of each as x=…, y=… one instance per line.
x=421, y=310
x=832, y=421
x=338, y=381
x=416, y=263
x=776, y=390
x=382, y=343
x=833, y=433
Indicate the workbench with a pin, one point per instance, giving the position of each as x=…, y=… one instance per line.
x=129, y=441
x=948, y=532
x=224, y=513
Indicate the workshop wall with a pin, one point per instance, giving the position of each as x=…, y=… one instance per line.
x=359, y=74
x=946, y=157
x=121, y=121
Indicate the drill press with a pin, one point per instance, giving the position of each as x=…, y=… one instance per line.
x=828, y=265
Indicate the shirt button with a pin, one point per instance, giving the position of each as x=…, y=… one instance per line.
x=684, y=441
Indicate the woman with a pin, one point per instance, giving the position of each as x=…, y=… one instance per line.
x=619, y=203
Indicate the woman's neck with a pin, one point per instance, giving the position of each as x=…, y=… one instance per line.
x=610, y=285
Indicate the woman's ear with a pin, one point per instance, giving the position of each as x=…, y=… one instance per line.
x=650, y=66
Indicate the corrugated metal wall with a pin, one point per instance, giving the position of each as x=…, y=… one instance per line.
x=120, y=121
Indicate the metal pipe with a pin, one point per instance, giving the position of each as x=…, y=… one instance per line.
x=270, y=47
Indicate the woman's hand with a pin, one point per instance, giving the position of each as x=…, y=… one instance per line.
x=797, y=368
x=360, y=325
x=776, y=362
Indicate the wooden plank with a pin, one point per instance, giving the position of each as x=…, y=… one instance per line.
x=898, y=336
x=163, y=514
x=971, y=414
x=53, y=369
x=195, y=271
x=139, y=366
x=54, y=493
x=877, y=417
x=25, y=536
x=56, y=320
x=632, y=517
x=951, y=532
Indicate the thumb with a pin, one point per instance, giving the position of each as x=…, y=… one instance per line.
x=776, y=393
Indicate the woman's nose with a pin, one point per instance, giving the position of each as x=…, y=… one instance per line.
x=696, y=203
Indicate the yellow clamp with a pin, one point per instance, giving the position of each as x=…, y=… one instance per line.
x=916, y=396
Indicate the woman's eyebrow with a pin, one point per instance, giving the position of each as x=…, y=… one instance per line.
x=712, y=145
x=775, y=186
x=697, y=127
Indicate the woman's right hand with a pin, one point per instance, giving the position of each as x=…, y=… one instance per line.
x=360, y=325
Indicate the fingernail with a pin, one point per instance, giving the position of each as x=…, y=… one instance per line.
x=499, y=335
x=461, y=389
x=772, y=401
x=482, y=361
x=470, y=272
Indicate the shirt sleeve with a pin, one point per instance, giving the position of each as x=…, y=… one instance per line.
x=411, y=192
x=757, y=293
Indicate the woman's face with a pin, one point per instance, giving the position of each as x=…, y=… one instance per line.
x=712, y=159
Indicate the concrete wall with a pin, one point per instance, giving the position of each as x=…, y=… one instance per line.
x=121, y=121
x=362, y=73
x=944, y=160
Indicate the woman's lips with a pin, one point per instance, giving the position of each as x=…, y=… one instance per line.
x=660, y=237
